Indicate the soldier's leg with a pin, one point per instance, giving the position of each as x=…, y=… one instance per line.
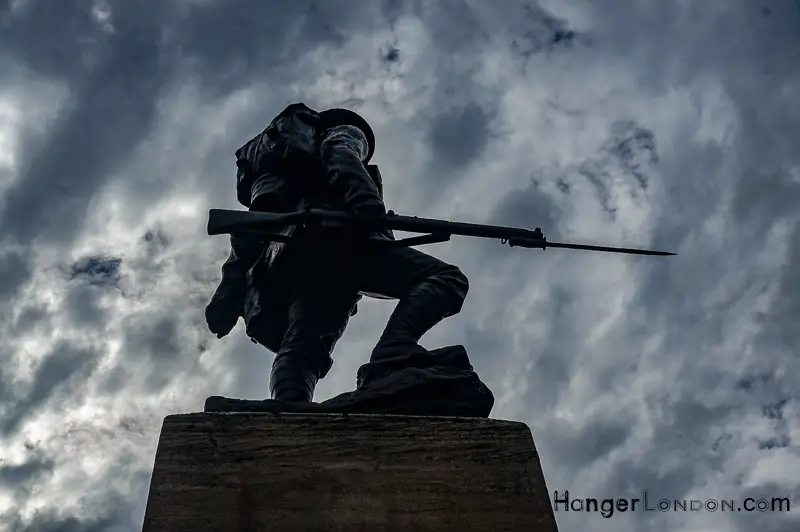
x=429, y=291
x=316, y=321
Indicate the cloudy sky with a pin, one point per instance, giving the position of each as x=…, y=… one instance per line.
x=669, y=124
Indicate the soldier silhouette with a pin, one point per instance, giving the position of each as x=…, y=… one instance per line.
x=296, y=298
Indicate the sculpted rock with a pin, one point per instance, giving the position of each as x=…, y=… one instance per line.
x=403, y=381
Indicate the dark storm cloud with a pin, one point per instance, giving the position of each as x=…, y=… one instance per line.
x=110, y=108
x=780, y=326
x=155, y=241
x=543, y=32
x=490, y=343
x=28, y=319
x=556, y=352
x=154, y=345
x=97, y=270
x=236, y=44
x=458, y=129
x=70, y=31
x=456, y=26
x=592, y=441
x=16, y=269
x=690, y=196
x=630, y=150
x=633, y=147
x=763, y=83
x=755, y=58
x=391, y=54
x=89, y=280
x=59, y=376
x=112, y=101
x=764, y=53
x=758, y=72
x=546, y=360
x=82, y=306
x=458, y=135
x=7, y=378
x=19, y=477
x=458, y=122
x=530, y=205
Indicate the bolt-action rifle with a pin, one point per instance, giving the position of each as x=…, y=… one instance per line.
x=225, y=221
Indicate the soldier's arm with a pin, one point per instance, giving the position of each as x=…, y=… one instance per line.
x=276, y=192
x=245, y=251
x=343, y=150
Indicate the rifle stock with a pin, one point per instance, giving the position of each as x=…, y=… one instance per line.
x=226, y=221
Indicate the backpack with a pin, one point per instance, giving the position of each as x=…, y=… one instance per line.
x=279, y=149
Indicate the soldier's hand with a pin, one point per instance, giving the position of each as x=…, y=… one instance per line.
x=367, y=217
x=369, y=212
x=220, y=317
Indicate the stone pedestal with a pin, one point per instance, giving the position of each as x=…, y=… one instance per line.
x=261, y=472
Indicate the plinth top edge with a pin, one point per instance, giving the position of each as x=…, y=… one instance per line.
x=286, y=416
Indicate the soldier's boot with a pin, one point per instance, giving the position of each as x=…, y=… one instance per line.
x=292, y=379
x=438, y=297
x=317, y=317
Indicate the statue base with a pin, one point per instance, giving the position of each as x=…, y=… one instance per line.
x=415, y=381
x=336, y=473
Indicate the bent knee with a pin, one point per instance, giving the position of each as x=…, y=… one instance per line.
x=455, y=280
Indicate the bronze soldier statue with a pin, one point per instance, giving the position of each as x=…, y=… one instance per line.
x=296, y=298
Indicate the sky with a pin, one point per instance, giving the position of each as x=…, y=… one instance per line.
x=638, y=123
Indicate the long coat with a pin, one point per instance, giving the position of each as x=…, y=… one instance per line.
x=283, y=169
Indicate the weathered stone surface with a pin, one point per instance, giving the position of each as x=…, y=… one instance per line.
x=304, y=472
x=440, y=382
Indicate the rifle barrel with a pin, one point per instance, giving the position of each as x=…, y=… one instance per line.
x=228, y=221
x=414, y=224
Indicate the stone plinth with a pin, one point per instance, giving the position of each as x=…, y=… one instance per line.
x=330, y=472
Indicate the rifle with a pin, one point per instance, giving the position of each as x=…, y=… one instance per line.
x=432, y=231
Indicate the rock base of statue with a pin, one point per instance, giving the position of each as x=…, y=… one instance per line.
x=340, y=472
x=404, y=381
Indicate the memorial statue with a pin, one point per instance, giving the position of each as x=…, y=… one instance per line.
x=318, y=238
